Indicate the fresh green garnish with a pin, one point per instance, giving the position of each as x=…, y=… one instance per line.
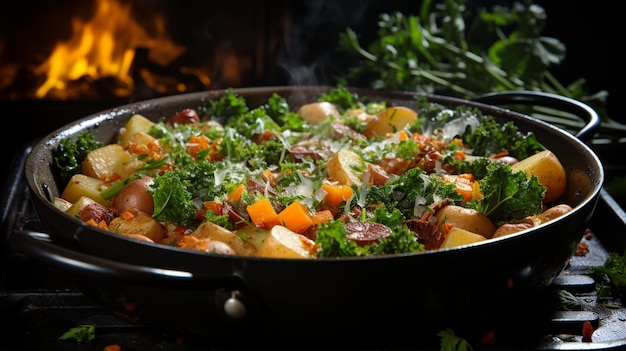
x=452, y=48
x=71, y=153
x=611, y=277
x=82, y=334
x=451, y=342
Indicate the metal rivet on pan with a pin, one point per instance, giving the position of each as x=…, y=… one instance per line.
x=234, y=308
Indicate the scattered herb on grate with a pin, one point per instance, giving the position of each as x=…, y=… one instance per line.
x=82, y=334
x=611, y=277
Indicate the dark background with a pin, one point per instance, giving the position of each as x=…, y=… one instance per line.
x=591, y=35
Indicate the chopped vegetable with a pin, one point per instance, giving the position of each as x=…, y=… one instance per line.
x=452, y=342
x=70, y=154
x=363, y=180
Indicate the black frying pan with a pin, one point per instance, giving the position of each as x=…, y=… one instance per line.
x=374, y=300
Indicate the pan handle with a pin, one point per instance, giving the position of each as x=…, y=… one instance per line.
x=40, y=247
x=527, y=97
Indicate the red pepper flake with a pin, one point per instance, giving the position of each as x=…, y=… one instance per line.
x=510, y=283
x=489, y=338
x=588, y=330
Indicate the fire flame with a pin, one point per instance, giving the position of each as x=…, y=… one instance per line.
x=104, y=46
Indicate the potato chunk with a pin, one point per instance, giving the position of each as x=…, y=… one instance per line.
x=136, y=123
x=106, y=162
x=284, y=243
x=346, y=168
x=459, y=237
x=466, y=218
x=210, y=230
x=548, y=170
x=81, y=185
x=142, y=224
x=390, y=120
x=317, y=112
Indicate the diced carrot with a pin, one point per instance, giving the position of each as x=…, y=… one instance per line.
x=262, y=214
x=128, y=214
x=296, y=217
x=197, y=143
x=336, y=194
x=323, y=216
x=112, y=347
x=402, y=135
x=465, y=185
x=235, y=195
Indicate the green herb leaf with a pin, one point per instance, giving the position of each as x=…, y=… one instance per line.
x=82, y=334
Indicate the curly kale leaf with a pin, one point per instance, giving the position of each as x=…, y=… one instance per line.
x=507, y=194
x=333, y=242
x=227, y=106
x=172, y=199
x=70, y=154
x=176, y=192
x=278, y=109
x=611, y=277
x=412, y=188
x=491, y=137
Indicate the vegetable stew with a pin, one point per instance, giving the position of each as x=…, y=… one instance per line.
x=340, y=176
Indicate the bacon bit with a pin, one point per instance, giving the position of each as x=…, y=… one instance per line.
x=582, y=249
x=489, y=338
x=587, y=332
x=112, y=347
x=588, y=234
x=129, y=214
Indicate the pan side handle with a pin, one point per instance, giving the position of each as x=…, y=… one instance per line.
x=40, y=247
x=527, y=97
